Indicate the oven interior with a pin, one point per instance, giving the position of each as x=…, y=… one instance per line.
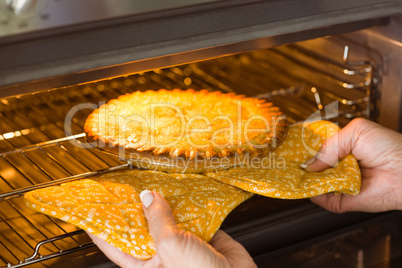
x=336, y=78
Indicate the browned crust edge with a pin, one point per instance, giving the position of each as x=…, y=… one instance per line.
x=180, y=164
x=155, y=156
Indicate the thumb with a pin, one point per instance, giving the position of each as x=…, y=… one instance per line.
x=334, y=148
x=161, y=223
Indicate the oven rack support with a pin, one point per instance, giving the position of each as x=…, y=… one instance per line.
x=7, y=200
x=306, y=79
x=326, y=81
x=21, y=191
x=36, y=257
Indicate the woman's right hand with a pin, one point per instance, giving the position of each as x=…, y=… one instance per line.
x=379, y=153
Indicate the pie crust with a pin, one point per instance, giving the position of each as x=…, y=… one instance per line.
x=186, y=131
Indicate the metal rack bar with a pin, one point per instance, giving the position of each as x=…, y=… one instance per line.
x=51, y=240
x=90, y=153
x=34, y=164
x=22, y=191
x=61, y=228
x=16, y=169
x=364, y=83
x=19, y=192
x=349, y=68
x=9, y=251
x=67, y=152
x=54, y=255
x=36, y=146
x=286, y=72
x=19, y=235
x=6, y=182
x=53, y=158
x=30, y=223
x=39, y=146
x=343, y=101
x=1, y=258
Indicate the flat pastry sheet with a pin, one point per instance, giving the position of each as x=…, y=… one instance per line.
x=109, y=206
x=280, y=174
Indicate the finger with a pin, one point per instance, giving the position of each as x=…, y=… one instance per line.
x=336, y=147
x=231, y=249
x=161, y=223
x=340, y=203
x=222, y=242
x=330, y=202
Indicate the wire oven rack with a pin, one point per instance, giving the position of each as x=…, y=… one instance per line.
x=35, y=151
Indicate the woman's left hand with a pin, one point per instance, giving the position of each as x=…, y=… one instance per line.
x=175, y=247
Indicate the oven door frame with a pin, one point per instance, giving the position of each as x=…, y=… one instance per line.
x=42, y=60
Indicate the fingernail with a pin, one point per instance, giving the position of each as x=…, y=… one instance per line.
x=147, y=198
x=307, y=163
x=303, y=166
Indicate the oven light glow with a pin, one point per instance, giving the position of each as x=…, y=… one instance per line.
x=128, y=82
x=101, y=87
x=187, y=81
x=114, y=84
x=188, y=71
x=9, y=135
x=9, y=174
x=141, y=80
x=25, y=131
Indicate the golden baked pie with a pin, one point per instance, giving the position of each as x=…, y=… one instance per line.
x=186, y=131
x=280, y=175
x=109, y=206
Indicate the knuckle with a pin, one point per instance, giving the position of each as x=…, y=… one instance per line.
x=168, y=241
x=328, y=145
x=153, y=215
x=337, y=209
x=325, y=145
x=337, y=206
x=359, y=122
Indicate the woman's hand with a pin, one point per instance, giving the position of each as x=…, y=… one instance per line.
x=379, y=152
x=175, y=247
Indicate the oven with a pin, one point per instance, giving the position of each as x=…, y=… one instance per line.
x=315, y=59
